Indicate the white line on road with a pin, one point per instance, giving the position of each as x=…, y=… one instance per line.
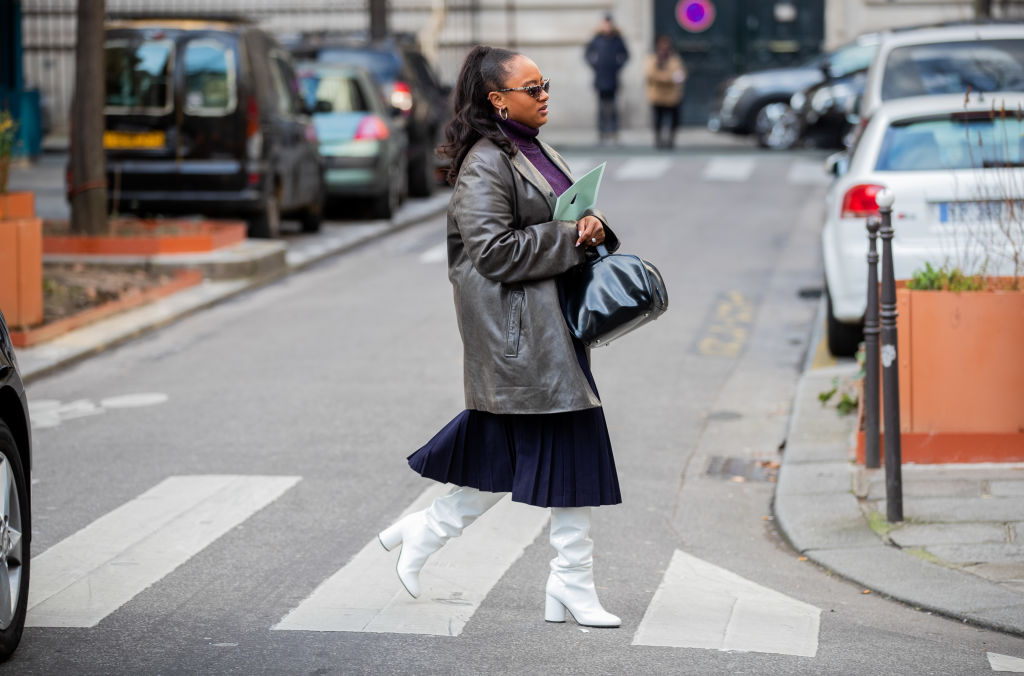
x=699, y=605
x=807, y=172
x=84, y=578
x=581, y=165
x=736, y=169
x=366, y=595
x=1005, y=663
x=643, y=169
x=435, y=254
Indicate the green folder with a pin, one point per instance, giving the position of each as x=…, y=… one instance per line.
x=580, y=196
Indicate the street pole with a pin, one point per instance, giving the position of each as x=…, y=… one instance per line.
x=88, y=189
x=872, y=455
x=890, y=367
x=378, y=19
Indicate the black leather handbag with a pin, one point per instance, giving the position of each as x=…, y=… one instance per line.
x=612, y=295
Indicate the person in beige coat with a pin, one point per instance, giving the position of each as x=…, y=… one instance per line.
x=666, y=77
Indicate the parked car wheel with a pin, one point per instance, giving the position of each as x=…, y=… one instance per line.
x=313, y=215
x=843, y=338
x=766, y=124
x=386, y=205
x=785, y=132
x=267, y=222
x=14, y=544
x=421, y=174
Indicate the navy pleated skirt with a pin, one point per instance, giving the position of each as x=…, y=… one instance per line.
x=547, y=460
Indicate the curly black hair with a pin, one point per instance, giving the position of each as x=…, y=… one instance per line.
x=484, y=70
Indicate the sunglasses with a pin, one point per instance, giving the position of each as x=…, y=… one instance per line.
x=532, y=90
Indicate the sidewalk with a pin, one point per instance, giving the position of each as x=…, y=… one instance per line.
x=959, y=551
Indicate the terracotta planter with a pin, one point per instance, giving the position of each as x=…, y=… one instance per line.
x=28, y=337
x=961, y=373
x=15, y=205
x=21, y=260
x=133, y=237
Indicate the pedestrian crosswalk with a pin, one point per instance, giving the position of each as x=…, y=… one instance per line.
x=94, y=572
x=738, y=168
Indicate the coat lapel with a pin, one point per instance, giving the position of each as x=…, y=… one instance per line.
x=531, y=174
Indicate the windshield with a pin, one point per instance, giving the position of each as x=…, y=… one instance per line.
x=382, y=65
x=340, y=90
x=138, y=75
x=962, y=141
x=953, y=68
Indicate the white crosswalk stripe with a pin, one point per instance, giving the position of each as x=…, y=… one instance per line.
x=807, y=172
x=84, y=578
x=580, y=165
x=643, y=169
x=737, y=169
x=435, y=254
x=699, y=605
x=1005, y=663
x=365, y=595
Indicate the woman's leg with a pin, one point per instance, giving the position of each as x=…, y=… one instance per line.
x=423, y=533
x=571, y=582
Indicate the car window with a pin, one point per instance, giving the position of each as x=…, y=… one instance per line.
x=423, y=70
x=383, y=65
x=137, y=74
x=954, y=67
x=964, y=141
x=850, y=59
x=340, y=90
x=286, y=86
x=210, y=77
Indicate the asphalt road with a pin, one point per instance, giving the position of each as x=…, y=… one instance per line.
x=203, y=482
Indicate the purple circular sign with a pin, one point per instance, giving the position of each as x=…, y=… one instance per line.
x=695, y=16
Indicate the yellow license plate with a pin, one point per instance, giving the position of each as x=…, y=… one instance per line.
x=133, y=140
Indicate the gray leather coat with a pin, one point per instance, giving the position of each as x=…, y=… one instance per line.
x=504, y=253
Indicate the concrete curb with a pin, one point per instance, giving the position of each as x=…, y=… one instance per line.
x=819, y=514
x=63, y=351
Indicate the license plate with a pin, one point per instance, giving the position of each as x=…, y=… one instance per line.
x=133, y=140
x=994, y=211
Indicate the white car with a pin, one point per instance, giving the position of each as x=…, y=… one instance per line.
x=945, y=60
x=956, y=167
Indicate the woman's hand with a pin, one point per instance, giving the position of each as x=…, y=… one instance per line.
x=591, y=231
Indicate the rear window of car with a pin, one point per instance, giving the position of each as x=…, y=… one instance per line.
x=954, y=67
x=340, y=90
x=210, y=77
x=850, y=59
x=383, y=65
x=962, y=141
x=138, y=74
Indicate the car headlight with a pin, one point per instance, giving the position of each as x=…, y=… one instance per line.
x=842, y=95
x=797, y=101
x=822, y=100
x=732, y=95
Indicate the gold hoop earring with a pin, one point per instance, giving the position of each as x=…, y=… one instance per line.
x=503, y=114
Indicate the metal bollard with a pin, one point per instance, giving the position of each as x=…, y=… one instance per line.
x=890, y=367
x=872, y=455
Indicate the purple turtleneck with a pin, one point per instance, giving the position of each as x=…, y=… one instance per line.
x=525, y=139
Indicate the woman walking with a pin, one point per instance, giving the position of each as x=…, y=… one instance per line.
x=666, y=76
x=533, y=424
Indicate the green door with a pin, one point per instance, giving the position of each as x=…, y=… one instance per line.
x=720, y=38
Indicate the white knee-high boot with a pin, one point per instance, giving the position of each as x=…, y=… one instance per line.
x=571, y=582
x=423, y=533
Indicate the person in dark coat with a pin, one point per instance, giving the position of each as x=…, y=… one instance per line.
x=533, y=424
x=607, y=54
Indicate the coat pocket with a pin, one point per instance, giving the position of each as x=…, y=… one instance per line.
x=514, y=322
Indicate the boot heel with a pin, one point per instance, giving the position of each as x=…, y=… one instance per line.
x=390, y=537
x=554, y=611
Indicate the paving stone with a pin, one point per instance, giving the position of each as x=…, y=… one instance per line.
x=811, y=478
x=980, y=553
x=1006, y=488
x=916, y=487
x=1000, y=572
x=927, y=535
x=821, y=521
x=959, y=510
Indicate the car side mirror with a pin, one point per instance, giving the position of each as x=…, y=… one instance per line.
x=838, y=163
x=323, y=106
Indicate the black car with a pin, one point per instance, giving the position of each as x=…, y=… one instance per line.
x=207, y=117
x=755, y=103
x=15, y=505
x=409, y=84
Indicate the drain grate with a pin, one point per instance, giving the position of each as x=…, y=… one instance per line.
x=741, y=469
